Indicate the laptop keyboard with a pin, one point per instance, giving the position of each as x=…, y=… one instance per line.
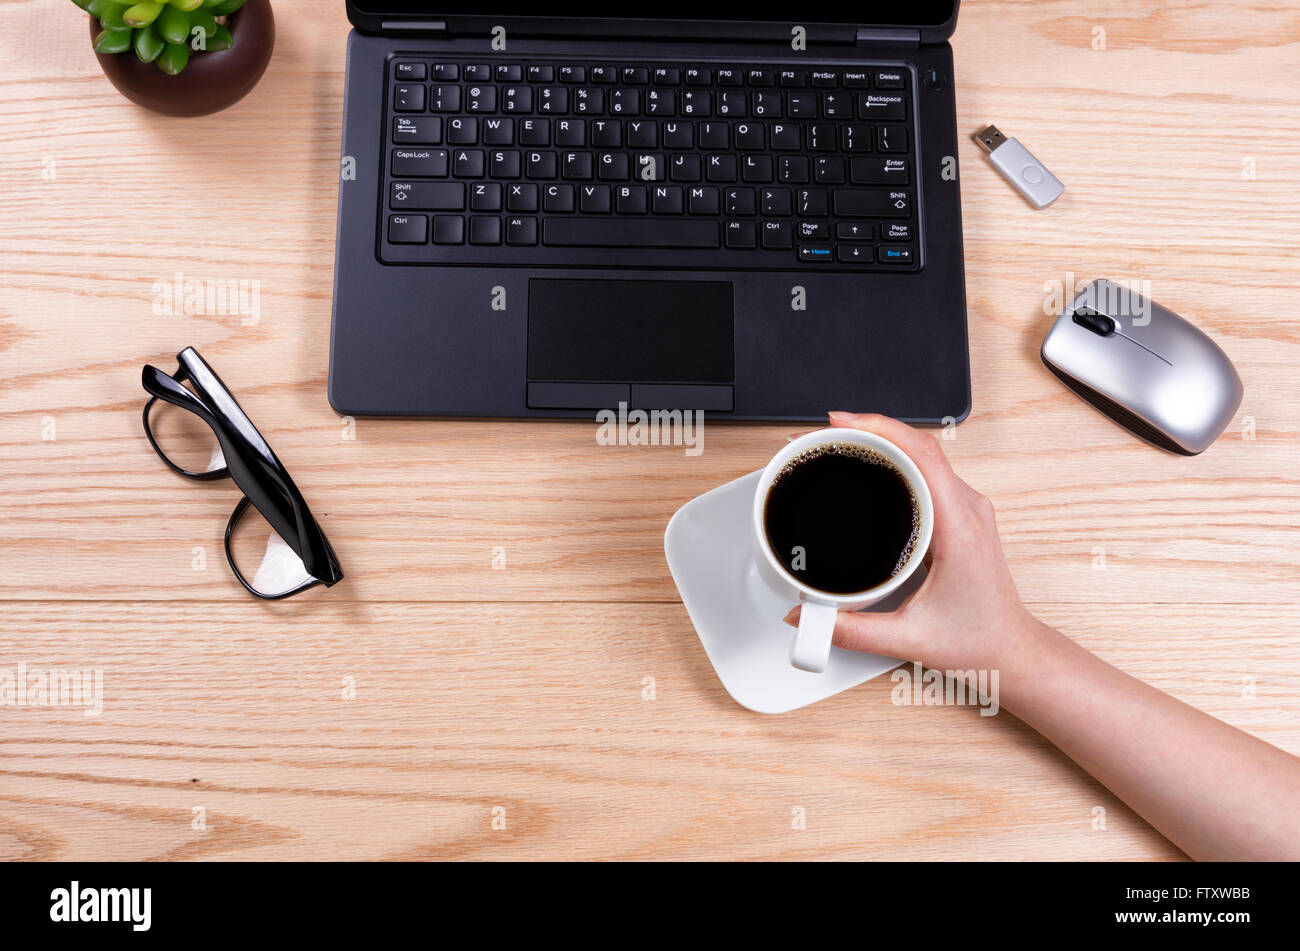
x=675, y=165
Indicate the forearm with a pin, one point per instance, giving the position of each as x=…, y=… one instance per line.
x=1213, y=790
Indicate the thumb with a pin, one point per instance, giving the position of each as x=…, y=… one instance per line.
x=870, y=632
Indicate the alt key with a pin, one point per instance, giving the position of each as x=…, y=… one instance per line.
x=408, y=229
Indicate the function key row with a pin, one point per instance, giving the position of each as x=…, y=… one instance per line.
x=415, y=71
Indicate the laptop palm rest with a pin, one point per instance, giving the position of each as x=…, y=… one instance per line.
x=593, y=344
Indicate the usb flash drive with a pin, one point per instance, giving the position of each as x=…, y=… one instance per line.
x=1017, y=164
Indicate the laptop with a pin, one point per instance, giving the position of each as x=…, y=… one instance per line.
x=547, y=216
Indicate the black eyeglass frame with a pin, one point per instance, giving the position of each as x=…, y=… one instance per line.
x=249, y=462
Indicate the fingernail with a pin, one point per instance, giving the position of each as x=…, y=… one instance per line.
x=793, y=617
x=839, y=417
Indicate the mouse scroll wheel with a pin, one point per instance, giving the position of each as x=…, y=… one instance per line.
x=1096, y=322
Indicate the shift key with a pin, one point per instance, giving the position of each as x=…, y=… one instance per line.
x=427, y=196
x=872, y=203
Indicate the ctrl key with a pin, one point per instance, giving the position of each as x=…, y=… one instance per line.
x=408, y=229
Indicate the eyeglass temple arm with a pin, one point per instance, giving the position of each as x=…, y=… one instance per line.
x=164, y=387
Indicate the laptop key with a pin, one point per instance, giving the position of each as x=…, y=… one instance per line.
x=631, y=199
x=408, y=229
x=462, y=130
x=410, y=72
x=444, y=99
x=777, y=235
x=483, y=230
x=741, y=235
x=872, y=203
x=420, y=163
x=485, y=196
x=559, y=198
x=630, y=233
x=879, y=171
x=427, y=196
x=882, y=107
x=521, y=231
x=448, y=229
x=467, y=163
x=899, y=255
x=854, y=253
x=816, y=252
x=408, y=98
x=417, y=130
x=891, y=138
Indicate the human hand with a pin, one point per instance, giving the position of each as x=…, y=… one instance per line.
x=967, y=613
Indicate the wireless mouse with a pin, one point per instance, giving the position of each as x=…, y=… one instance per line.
x=1144, y=366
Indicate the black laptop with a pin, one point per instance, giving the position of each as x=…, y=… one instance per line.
x=550, y=216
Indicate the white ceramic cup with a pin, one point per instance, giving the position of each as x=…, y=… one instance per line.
x=811, y=647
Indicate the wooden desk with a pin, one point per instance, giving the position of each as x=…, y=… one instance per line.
x=522, y=688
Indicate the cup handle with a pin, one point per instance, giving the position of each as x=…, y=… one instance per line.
x=811, y=648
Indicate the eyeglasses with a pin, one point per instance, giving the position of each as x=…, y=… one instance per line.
x=241, y=453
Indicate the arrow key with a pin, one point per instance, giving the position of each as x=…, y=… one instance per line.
x=853, y=253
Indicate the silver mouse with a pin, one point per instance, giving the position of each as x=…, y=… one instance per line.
x=1145, y=367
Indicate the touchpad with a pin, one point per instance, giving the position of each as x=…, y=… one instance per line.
x=632, y=331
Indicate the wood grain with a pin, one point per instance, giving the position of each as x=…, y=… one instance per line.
x=522, y=687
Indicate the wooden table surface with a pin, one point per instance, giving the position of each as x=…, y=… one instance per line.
x=396, y=715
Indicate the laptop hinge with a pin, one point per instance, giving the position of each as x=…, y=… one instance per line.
x=413, y=26
x=896, y=37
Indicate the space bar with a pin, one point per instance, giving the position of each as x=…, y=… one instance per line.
x=630, y=233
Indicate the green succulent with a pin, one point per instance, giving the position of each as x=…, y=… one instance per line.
x=164, y=32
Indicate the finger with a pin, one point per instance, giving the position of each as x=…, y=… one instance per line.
x=923, y=448
x=947, y=489
x=869, y=632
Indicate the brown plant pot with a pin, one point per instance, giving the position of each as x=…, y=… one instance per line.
x=210, y=81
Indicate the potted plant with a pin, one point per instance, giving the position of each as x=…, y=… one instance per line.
x=182, y=57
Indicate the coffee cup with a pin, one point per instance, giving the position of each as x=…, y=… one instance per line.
x=874, y=501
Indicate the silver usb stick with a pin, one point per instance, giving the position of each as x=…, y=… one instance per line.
x=1017, y=164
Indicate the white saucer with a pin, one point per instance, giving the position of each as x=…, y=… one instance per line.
x=738, y=617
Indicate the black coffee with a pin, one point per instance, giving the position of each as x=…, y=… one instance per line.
x=842, y=518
